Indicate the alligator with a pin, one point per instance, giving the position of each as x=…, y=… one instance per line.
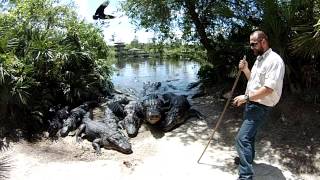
x=74, y=120
x=134, y=117
x=193, y=85
x=117, y=109
x=111, y=119
x=177, y=111
x=56, y=117
x=104, y=134
x=151, y=103
x=121, y=98
x=129, y=116
x=150, y=88
x=152, y=108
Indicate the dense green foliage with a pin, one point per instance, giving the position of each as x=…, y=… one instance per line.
x=223, y=28
x=48, y=57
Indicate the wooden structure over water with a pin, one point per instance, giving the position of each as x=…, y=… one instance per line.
x=123, y=52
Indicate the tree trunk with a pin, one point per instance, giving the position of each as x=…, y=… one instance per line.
x=205, y=41
x=200, y=28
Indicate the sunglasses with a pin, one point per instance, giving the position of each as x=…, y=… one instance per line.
x=253, y=44
x=256, y=43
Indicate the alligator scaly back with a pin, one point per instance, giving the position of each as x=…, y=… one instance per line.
x=73, y=121
x=179, y=110
x=104, y=133
x=117, y=109
x=134, y=117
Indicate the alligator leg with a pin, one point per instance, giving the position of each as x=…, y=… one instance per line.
x=96, y=145
x=121, y=124
x=81, y=129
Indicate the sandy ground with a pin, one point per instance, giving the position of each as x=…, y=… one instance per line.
x=156, y=155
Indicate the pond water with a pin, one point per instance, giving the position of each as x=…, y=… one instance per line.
x=174, y=76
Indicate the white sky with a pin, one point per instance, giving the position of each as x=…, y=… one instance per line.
x=120, y=26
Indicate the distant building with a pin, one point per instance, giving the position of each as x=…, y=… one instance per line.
x=123, y=52
x=120, y=48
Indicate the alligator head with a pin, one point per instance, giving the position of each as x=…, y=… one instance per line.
x=55, y=123
x=64, y=131
x=153, y=109
x=132, y=124
x=153, y=114
x=74, y=119
x=117, y=142
x=68, y=125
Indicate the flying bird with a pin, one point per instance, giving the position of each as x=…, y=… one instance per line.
x=100, y=12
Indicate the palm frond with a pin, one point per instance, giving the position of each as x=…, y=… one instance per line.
x=13, y=43
x=317, y=29
x=5, y=166
x=2, y=74
x=20, y=89
x=305, y=41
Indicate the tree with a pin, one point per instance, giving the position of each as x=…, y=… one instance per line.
x=202, y=21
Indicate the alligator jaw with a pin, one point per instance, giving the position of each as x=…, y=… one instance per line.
x=132, y=130
x=131, y=125
x=118, y=144
x=153, y=116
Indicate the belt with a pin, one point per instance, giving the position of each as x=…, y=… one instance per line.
x=258, y=104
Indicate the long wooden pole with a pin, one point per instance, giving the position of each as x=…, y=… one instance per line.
x=223, y=112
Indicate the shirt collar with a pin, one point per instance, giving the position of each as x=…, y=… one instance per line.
x=264, y=55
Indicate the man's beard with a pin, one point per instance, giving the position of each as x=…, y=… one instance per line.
x=258, y=52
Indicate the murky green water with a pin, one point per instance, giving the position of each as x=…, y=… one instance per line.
x=174, y=75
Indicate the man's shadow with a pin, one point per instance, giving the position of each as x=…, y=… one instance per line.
x=267, y=172
x=262, y=171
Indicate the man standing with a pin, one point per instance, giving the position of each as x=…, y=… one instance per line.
x=263, y=91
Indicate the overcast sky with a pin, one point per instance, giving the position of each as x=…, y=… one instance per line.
x=120, y=26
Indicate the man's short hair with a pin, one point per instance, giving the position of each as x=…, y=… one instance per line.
x=261, y=35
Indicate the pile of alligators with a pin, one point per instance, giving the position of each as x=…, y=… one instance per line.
x=123, y=115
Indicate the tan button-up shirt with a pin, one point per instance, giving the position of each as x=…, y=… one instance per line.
x=268, y=70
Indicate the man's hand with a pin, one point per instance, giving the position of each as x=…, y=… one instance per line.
x=243, y=65
x=237, y=101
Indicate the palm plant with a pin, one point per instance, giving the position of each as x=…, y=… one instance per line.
x=305, y=44
x=14, y=88
x=285, y=21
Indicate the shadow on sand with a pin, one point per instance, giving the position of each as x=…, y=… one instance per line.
x=262, y=171
x=267, y=172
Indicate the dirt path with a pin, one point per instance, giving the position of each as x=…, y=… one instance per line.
x=155, y=155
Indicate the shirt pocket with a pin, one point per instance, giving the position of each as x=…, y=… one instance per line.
x=261, y=76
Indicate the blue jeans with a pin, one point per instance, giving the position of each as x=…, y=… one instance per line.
x=254, y=116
